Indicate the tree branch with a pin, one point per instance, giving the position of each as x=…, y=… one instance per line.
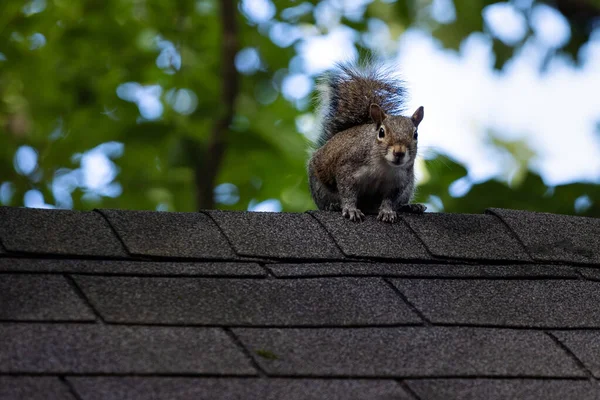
x=207, y=167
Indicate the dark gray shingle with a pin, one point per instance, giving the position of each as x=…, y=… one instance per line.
x=420, y=270
x=276, y=235
x=552, y=237
x=408, y=352
x=58, y=232
x=96, y=349
x=329, y=318
x=372, y=238
x=531, y=303
x=41, y=298
x=590, y=273
x=585, y=345
x=161, y=234
x=466, y=236
x=115, y=267
x=327, y=302
x=33, y=388
x=236, y=388
x=505, y=389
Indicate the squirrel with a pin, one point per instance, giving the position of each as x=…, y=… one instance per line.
x=366, y=150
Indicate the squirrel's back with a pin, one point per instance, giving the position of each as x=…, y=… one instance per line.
x=346, y=93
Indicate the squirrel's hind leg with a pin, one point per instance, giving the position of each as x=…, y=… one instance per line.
x=402, y=203
x=324, y=198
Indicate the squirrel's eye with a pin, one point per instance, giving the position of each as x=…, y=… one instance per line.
x=416, y=135
x=381, y=134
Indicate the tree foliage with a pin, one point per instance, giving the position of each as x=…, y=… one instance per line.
x=118, y=103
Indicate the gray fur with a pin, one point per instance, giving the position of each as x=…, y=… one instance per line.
x=354, y=170
x=346, y=92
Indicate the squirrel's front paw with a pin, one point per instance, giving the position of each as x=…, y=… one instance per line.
x=353, y=214
x=387, y=216
x=414, y=208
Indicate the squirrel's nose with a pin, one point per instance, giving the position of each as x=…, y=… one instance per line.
x=399, y=154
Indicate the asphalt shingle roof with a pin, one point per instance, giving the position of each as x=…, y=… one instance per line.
x=59, y=232
x=40, y=298
x=77, y=348
x=276, y=235
x=554, y=237
x=408, y=352
x=111, y=304
x=189, y=235
x=501, y=389
x=34, y=388
x=372, y=239
x=246, y=302
x=466, y=236
x=237, y=388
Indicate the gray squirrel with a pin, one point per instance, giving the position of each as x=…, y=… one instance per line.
x=364, y=161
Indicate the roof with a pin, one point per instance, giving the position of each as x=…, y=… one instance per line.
x=138, y=305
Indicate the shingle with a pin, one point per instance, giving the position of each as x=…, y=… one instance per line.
x=114, y=267
x=504, y=389
x=590, y=273
x=276, y=235
x=327, y=302
x=94, y=348
x=33, y=388
x=372, y=238
x=232, y=388
x=531, y=303
x=162, y=234
x=552, y=237
x=40, y=297
x=407, y=352
x=61, y=232
x=421, y=270
x=466, y=236
x=585, y=345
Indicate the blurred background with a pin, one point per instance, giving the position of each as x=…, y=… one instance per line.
x=180, y=105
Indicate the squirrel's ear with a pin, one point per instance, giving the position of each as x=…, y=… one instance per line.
x=417, y=117
x=377, y=114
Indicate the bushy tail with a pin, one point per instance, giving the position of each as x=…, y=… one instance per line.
x=346, y=93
